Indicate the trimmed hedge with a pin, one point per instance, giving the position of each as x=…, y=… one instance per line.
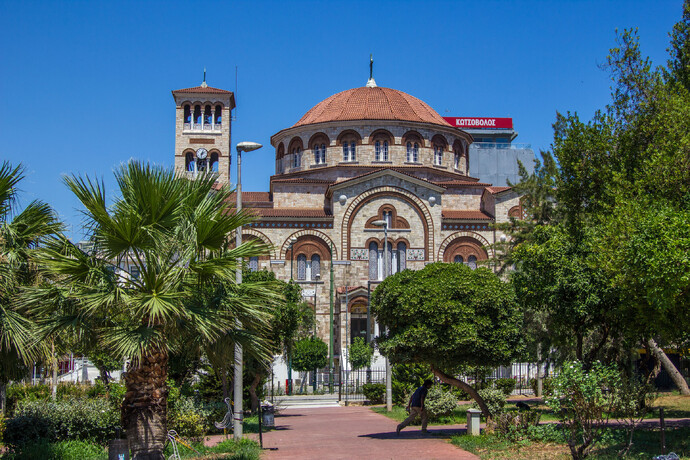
x=374, y=392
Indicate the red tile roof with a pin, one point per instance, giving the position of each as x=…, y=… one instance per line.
x=343, y=289
x=252, y=197
x=291, y=212
x=202, y=89
x=497, y=189
x=376, y=103
x=466, y=215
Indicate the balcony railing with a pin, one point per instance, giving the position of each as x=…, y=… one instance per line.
x=200, y=127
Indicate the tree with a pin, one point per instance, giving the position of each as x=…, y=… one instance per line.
x=556, y=281
x=171, y=282
x=310, y=354
x=291, y=319
x=447, y=315
x=360, y=354
x=20, y=234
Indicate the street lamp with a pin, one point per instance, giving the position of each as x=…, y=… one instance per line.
x=237, y=396
x=291, y=247
x=389, y=386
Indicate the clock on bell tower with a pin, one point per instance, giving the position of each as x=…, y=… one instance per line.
x=202, y=131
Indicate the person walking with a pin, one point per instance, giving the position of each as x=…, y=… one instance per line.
x=416, y=407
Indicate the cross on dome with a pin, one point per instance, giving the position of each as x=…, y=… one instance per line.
x=371, y=83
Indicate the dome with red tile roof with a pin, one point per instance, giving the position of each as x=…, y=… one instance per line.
x=371, y=103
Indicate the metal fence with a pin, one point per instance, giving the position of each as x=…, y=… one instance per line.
x=352, y=382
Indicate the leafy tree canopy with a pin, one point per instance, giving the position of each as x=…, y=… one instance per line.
x=446, y=315
x=310, y=354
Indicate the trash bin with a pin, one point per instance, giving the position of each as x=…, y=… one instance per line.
x=118, y=449
x=267, y=414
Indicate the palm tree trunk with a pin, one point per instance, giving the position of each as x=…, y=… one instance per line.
x=144, y=410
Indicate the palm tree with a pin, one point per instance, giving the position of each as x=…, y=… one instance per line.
x=20, y=234
x=161, y=275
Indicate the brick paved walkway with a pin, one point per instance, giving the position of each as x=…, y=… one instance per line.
x=354, y=432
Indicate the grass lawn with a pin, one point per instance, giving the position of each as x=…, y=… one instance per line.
x=459, y=415
x=646, y=445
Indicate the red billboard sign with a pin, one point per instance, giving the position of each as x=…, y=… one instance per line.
x=480, y=122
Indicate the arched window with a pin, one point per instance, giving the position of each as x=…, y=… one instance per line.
x=402, y=256
x=412, y=152
x=301, y=267
x=187, y=114
x=458, y=260
x=207, y=116
x=219, y=115
x=197, y=115
x=319, y=154
x=296, y=157
x=315, y=267
x=456, y=160
x=373, y=261
x=438, y=155
x=381, y=150
x=190, y=164
x=472, y=262
x=201, y=165
x=253, y=263
x=350, y=151
x=214, y=162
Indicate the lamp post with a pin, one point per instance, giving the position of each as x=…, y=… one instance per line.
x=331, y=341
x=316, y=280
x=291, y=247
x=389, y=386
x=237, y=396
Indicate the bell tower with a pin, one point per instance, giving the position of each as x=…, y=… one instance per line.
x=202, y=130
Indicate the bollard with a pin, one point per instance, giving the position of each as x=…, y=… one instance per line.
x=473, y=420
x=118, y=449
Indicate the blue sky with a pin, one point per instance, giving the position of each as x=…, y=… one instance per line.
x=86, y=85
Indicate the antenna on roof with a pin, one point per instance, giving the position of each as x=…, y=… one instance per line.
x=203, y=83
x=371, y=83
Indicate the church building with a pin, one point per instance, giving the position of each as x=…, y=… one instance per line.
x=362, y=163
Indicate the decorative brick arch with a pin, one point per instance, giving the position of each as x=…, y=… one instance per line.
x=371, y=194
x=310, y=232
x=262, y=237
x=475, y=236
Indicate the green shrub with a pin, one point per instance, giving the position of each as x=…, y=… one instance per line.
x=505, y=385
x=91, y=420
x=64, y=450
x=460, y=394
x=189, y=418
x=401, y=393
x=583, y=399
x=495, y=400
x=440, y=402
x=360, y=354
x=546, y=385
x=71, y=390
x=515, y=426
x=2, y=427
x=374, y=392
x=19, y=392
